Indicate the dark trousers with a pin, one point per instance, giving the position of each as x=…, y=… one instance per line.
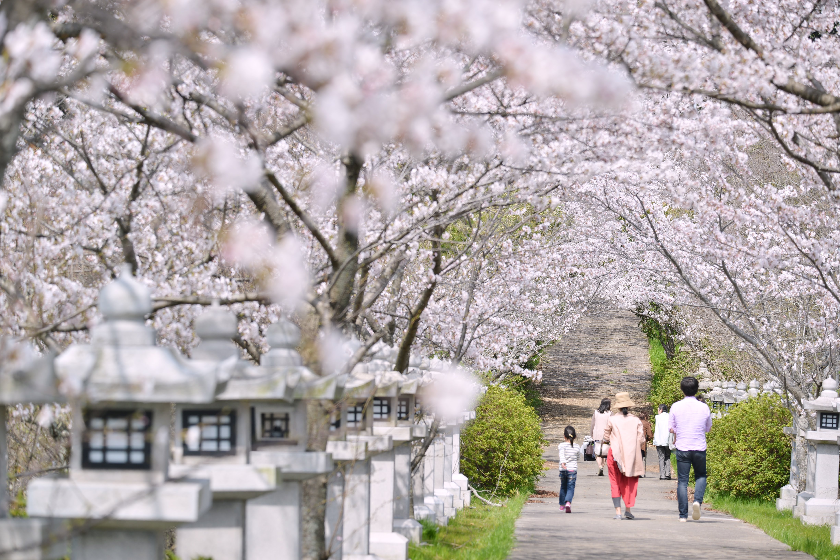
x=664, y=453
x=686, y=460
x=567, y=486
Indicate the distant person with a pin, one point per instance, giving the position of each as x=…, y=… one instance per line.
x=626, y=437
x=690, y=421
x=596, y=430
x=569, y=453
x=645, y=419
x=662, y=440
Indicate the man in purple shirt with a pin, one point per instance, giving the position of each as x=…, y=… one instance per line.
x=690, y=421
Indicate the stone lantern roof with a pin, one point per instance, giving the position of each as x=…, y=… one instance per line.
x=827, y=399
x=123, y=364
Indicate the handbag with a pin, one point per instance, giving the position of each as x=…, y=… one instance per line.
x=589, y=451
x=601, y=449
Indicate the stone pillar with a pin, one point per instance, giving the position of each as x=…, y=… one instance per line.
x=449, y=467
x=268, y=513
x=333, y=525
x=4, y=465
x=787, y=495
x=403, y=487
x=384, y=542
x=356, y=506
x=219, y=532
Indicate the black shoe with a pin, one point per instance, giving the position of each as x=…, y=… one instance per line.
x=667, y=478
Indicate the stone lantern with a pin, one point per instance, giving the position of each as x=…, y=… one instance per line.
x=26, y=379
x=213, y=442
x=716, y=398
x=741, y=392
x=350, y=511
x=823, y=463
x=119, y=485
x=728, y=396
x=754, y=389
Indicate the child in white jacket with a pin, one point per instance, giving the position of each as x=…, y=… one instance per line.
x=569, y=452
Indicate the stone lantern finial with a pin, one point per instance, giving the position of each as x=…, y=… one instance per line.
x=125, y=298
x=216, y=328
x=829, y=388
x=283, y=338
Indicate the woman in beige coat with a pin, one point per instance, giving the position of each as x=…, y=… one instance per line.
x=626, y=437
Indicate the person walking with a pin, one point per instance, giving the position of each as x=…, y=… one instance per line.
x=569, y=452
x=596, y=430
x=662, y=442
x=690, y=420
x=644, y=417
x=626, y=437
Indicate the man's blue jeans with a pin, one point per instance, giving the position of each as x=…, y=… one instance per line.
x=685, y=461
x=567, y=486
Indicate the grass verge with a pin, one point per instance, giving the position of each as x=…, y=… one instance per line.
x=480, y=532
x=780, y=525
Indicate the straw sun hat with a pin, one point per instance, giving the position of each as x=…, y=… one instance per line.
x=622, y=400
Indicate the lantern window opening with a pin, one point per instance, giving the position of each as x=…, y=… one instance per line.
x=274, y=425
x=381, y=408
x=335, y=421
x=356, y=416
x=217, y=435
x=117, y=439
x=402, y=408
x=829, y=420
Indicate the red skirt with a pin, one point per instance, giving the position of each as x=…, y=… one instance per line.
x=623, y=487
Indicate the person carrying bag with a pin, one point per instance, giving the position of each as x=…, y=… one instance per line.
x=626, y=438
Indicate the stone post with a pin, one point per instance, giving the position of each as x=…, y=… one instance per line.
x=787, y=494
x=823, y=460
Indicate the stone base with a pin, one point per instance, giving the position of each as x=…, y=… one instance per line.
x=835, y=535
x=801, y=499
x=819, y=511
x=97, y=544
x=425, y=512
x=464, y=483
x=783, y=504
x=438, y=506
x=455, y=490
x=409, y=528
x=27, y=538
x=817, y=519
x=389, y=546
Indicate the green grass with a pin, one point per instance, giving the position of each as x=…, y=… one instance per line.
x=780, y=525
x=480, y=532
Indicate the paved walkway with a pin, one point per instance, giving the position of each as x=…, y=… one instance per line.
x=543, y=533
x=607, y=353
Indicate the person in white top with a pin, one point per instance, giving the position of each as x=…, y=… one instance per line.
x=569, y=452
x=600, y=419
x=662, y=440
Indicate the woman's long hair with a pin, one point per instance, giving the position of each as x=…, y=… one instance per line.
x=625, y=411
x=605, y=406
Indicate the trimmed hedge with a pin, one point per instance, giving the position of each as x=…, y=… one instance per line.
x=501, y=450
x=748, y=454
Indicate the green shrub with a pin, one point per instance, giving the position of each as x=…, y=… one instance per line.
x=501, y=450
x=748, y=455
x=667, y=374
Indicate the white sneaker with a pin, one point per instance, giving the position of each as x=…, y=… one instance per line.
x=695, y=511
